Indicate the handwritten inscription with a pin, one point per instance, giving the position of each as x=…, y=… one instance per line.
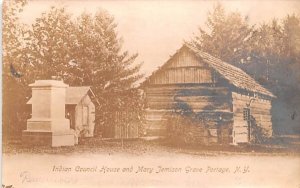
x=28, y=177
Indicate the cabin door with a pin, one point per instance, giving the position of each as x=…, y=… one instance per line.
x=85, y=116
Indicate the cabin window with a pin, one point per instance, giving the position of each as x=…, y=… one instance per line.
x=246, y=114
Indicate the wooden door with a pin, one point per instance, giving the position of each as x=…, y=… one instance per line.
x=85, y=116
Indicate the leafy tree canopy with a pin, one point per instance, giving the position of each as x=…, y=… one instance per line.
x=83, y=51
x=269, y=52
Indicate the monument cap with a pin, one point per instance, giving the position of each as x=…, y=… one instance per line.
x=48, y=83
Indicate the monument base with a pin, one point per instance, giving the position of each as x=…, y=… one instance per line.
x=47, y=138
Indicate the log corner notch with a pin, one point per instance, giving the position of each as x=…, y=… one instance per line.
x=201, y=99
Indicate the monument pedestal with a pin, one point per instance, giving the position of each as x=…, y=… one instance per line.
x=48, y=125
x=48, y=138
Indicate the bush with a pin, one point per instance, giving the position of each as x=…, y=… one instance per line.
x=259, y=135
x=182, y=129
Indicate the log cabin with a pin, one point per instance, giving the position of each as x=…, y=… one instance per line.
x=227, y=104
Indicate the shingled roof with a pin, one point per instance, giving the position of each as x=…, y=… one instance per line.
x=234, y=75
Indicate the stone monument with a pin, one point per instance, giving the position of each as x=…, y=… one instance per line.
x=48, y=125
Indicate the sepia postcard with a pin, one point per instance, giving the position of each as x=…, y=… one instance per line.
x=150, y=93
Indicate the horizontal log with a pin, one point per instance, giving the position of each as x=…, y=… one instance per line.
x=243, y=105
x=266, y=125
x=240, y=130
x=213, y=99
x=208, y=115
x=239, y=123
x=258, y=118
x=157, y=124
x=240, y=102
x=240, y=138
x=160, y=98
x=244, y=96
x=157, y=113
x=252, y=106
x=262, y=112
x=247, y=98
x=253, y=111
x=184, y=91
x=149, y=110
x=156, y=132
x=181, y=86
x=156, y=118
x=189, y=106
x=187, y=98
x=263, y=120
x=213, y=140
x=200, y=103
x=261, y=101
x=197, y=133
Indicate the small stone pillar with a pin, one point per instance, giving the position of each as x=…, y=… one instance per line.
x=48, y=125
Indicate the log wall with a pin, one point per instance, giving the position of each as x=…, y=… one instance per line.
x=211, y=104
x=186, y=84
x=260, y=110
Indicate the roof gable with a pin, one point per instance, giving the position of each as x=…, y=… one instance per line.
x=183, y=58
x=75, y=94
x=234, y=75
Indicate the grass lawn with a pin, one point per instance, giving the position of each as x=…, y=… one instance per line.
x=141, y=147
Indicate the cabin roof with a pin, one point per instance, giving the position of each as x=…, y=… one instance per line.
x=232, y=74
x=75, y=94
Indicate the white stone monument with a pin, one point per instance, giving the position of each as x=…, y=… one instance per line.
x=48, y=125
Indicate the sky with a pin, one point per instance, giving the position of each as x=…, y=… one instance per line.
x=156, y=29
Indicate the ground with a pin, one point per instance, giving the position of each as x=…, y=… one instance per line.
x=140, y=163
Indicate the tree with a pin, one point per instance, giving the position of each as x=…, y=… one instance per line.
x=226, y=36
x=269, y=52
x=85, y=51
x=109, y=71
x=275, y=64
x=291, y=46
x=50, y=46
x=14, y=66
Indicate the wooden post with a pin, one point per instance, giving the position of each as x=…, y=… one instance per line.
x=122, y=137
